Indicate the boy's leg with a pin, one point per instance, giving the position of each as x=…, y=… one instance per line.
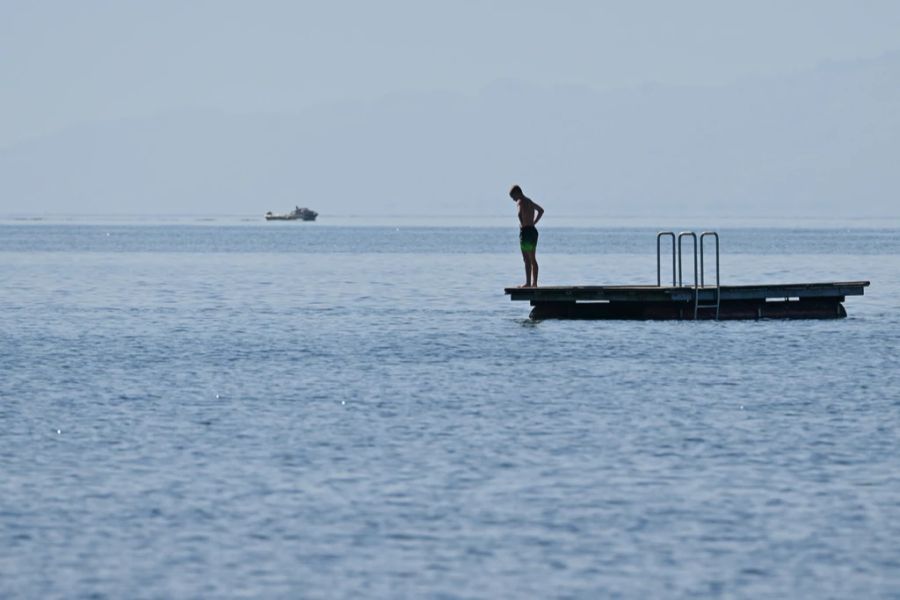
x=527, y=261
x=534, y=268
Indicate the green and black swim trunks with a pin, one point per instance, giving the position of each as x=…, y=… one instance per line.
x=528, y=238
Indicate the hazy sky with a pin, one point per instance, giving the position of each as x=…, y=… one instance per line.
x=68, y=62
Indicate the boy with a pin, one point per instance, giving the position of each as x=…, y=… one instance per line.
x=528, y=234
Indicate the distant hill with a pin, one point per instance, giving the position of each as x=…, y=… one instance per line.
x=820, y=142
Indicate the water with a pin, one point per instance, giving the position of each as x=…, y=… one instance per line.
x=311, y=411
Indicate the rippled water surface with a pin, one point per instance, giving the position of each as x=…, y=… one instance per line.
x=309, y=411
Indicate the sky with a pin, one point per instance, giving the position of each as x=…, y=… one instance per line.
x=66, y=63
x=646, y=107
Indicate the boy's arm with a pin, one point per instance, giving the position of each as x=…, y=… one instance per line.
x=540, y=212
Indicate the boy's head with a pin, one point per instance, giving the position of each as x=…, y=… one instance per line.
x=515, y=192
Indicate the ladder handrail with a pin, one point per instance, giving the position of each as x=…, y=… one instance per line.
x=681, y=236
x=703, y=270
x=659, y=237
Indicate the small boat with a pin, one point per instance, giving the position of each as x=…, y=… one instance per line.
x=298, y=214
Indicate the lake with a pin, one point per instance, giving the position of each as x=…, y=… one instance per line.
x=209, y=409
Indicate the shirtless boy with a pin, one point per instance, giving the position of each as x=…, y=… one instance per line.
x=528, y=234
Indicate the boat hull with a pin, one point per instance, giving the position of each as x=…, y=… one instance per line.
x=288, y=218
x=298, y=214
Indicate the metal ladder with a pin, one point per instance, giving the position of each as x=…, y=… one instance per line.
x=702, y=269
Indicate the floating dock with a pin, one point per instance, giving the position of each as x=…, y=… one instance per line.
x=690, y=302
x=775, y=301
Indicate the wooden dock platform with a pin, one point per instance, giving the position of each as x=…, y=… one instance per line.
x=773, y=301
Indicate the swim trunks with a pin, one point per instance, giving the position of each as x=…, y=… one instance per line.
x=528, y=238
